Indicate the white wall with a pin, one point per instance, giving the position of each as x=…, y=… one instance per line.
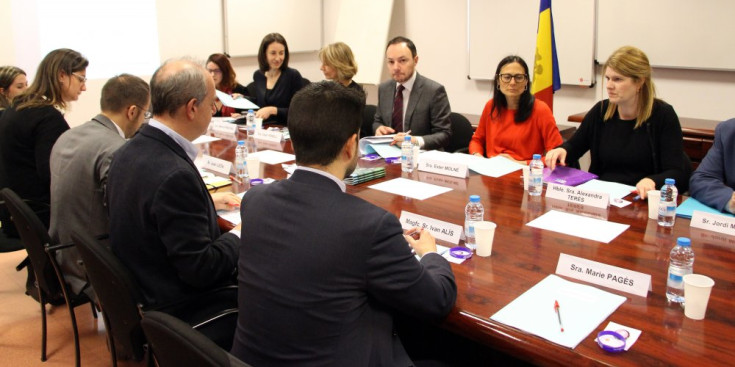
x=439, y=29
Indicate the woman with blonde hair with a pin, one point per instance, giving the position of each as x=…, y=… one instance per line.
x=13, y=82
x=633, y=137
x=30, y=127
x=339, y=65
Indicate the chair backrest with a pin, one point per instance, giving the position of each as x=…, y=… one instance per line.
x=368, y=116
x=34, y=235
x=175, y=343
x=117, y=292
x=461, y=133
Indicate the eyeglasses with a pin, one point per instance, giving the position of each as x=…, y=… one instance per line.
x=147, y=115
x=519, y=78
x=214, y=71
x=82, y=79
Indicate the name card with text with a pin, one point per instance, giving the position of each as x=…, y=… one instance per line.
x=223, y=127
x=713, y=222
x=576, y=195
x=625, y=280
x=268, y=135
x=439, y=229
x=453, y=169
x=215, y=164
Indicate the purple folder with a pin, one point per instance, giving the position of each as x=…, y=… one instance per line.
x=567, y=176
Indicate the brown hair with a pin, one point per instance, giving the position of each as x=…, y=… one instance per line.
x=633, y=63
x=263, y=58
x=46, y=90
x=7, y=76
x=228, y=73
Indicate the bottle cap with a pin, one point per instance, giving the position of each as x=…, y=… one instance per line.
x=250, y=111
x=669, y=181
x=537, y=156
x=684, y=241
x=474, y=198
x=256, y=181
x=407, y=138
x=241, y=142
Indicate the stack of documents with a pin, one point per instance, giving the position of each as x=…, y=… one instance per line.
x=364, y=175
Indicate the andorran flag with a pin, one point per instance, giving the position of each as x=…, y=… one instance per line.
x=546, y=78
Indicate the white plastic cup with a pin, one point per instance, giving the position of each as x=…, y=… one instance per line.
x=526, y=173
x=697, y=289
x=484, y=234
x=654, y=198
x=258, y=122
x=253, y=164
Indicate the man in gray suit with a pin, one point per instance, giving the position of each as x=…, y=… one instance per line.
x=410, y=103
x=80, y=160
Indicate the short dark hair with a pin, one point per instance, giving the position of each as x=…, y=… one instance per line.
x=171, y=90
x=500, y=103
x=321, y=118
x=122, y=91
x=401, y=39
x=228, y=73
x=263, y=58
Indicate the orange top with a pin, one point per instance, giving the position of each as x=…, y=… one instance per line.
x=501, y=134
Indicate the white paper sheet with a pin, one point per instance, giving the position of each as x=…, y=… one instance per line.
x=616, y=190
x=410, y=188
x=240, y=103
x=582, y=309
x=273, y=157
x=577, y=225
x=386, y=150
x=205, y=139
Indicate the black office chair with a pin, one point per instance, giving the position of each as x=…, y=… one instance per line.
x=368, y=116
x=175, y=343
x=461, y=134
x=122, y=303
x=42, y=255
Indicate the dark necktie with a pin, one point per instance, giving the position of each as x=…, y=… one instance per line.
x=398, y=109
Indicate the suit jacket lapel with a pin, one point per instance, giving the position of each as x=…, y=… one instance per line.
x=413, y=100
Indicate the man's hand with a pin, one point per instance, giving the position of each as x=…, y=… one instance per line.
x=225, y=200
x=425, y=244
x=384, y=130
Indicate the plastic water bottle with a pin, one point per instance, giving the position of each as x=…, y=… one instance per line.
x=681, y=263
x=250, y=121
x=473, y=212
x=667, y=205
x=536, y=178
x=407, y=161
x=241, y=155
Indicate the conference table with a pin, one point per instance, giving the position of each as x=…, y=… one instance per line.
x=522, y=256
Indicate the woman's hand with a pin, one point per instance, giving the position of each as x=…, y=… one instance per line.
x=643, y=186
x=266, y=112
x=555, y=155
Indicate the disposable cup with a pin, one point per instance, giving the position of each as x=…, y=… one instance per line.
x=654, y=197
x=258, y=122
x=526, y=173
x=253, y=164
x=697, y=289
x=484, y=234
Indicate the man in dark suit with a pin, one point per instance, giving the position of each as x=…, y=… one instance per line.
x=80, y=161
x=319, y=281
x=163, y=221
x=713, y=183
x=411, y=103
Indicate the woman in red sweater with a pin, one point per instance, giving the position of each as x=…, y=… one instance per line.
x=514, y=124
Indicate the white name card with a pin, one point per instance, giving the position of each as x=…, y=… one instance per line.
x=215, y=164
x=439, y=229
x=272, y=145
x=443, y=168
x=269, y=135
x=713, y=222
x=575, y=195
x=624, y=280
x=223, y=127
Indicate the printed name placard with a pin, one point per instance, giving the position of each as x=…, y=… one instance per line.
x=575, y=195
x=223, y=127
x=625, y=280
x=268, y=135
x=439, y=229
x=215, y=164
x=272, y=145
x=443, y=180
x=713, y=222
x=443, y=168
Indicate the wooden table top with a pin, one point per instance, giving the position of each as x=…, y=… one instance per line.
x=522, y=256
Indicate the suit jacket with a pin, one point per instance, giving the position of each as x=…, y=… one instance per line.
x=427, y=113
x=318, y=282
x=80, y=161
x=714, y=180
x=163, y=224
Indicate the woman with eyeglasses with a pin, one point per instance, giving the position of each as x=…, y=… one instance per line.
x=219, y=67
x=514, y=124
x=13, y=82
x=274, y=83
x=30, y=127
x=633, y=137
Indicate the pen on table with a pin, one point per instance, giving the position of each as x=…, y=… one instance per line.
x=233, y=178
x=637, y=196
x=558, y=315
